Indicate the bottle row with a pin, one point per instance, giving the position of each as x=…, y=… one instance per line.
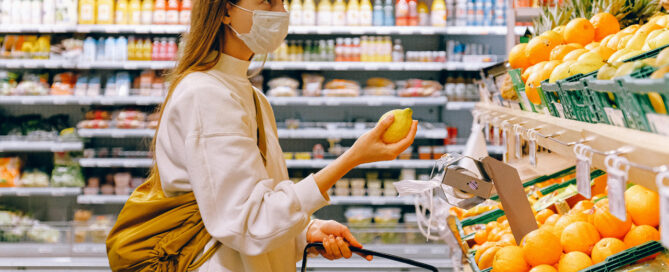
x=120, y=12
x=397, y=13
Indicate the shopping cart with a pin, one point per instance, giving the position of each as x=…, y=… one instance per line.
x=368, y=252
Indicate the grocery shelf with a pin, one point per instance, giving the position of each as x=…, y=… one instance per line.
x=44, y=191
x=115, y=133
x=102, y=199
x=371, y=200
x=460, y=105
x=323, y=133
x=39, y=146
x=526, y=14
x=311, y=30
x=276, y=101
x=358, y=101
x=116, y=162
x=277, y=65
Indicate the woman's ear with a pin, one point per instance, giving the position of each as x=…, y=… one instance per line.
x=226, y=17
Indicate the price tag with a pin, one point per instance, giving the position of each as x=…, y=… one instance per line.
x=615, y=116
x=486, y=127
x=323, y=30
x=314, y=102
x=427, y=31
x=495, y=135
x=583, y=162
x=313, y=66
x=382, y=30
x=505, y=145
x=357, y=30
x=517, y=143
x=407, y=102
x=28, y=101
x=659, y=123
x=60, y=100
x=533, y=148
x=663, y=191
x=45, y=249
x=617, y=179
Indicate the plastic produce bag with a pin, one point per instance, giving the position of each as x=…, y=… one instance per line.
x=9, y=171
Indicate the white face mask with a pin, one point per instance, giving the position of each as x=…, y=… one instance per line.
x=268, y=31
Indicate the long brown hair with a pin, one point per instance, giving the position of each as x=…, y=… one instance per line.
x=206, y=34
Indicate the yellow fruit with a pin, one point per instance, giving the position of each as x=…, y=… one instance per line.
x=630, y=29
x=613, y=42
x=562, y=50
x=615, y=56
x=605, y=24
x=488, y=257
x=580, y=31
x=400, y=126
x=624, y=40
x=561, y=71
x=663, y=58
x=605, y=248
x=543, y=215
x=585, y=66
x=608, y=225
x=604, y=51
x=574, y=54
x=485, y=246
x=510, y=259
x=643, y=205
x=541, y=247
x=574, y=262
x=656, y=100
x=663, y=21
x=517, y=57
x=641, y=234
x=481, y=236
x=551, y=220
x=659, y=40
x=543, y=268
x=550, y=228
x=579, y=236
x=652, y=35
x=592, y=45
x=532, y=88
x=559, y=30
x=606, y=72
x=553, y=36
x=539, y=49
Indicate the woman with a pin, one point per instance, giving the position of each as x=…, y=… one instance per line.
x=217, y=138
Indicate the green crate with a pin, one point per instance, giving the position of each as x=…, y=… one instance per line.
x=626, y=257
x=602, y=102
x=648, y=54
x=579, y=103
x=637, y=88
x=519, y=87
x=553, y=99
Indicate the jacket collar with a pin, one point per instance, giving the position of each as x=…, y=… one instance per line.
x=232, y=66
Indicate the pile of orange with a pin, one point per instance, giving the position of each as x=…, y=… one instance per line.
x=584, y=236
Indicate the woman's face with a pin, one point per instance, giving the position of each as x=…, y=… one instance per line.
x=242, y=20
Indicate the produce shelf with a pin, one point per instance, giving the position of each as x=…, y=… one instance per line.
x=423, y=164
x=116, y=162
x=39, y=146
x=45, y=191
x=371, y=200
x=358, y=101
x=102, y=199
x=460, y=105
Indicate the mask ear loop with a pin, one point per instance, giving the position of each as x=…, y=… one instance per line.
x=259, y=70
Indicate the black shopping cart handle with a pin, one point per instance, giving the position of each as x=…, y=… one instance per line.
x=368, y=252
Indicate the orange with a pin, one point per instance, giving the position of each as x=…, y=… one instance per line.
x=543, y=215
x=485, y=246
x=582, y=206
x=574, y=54
x=539, y=49
x=554, y=37
x=551, y=229
x=543, y=268
x=605, y=248
x=643, y=205
x=487, y=257
x=579, y=236
x=541, y=247
x=494, y=235
x=510, y=259
x=604, y=51
x=518, y=58
x=574, y=262
x=481, y=236
x=532, y=87
x=607, y=224
x=551, y=220
x=508, y=239
x=641, y=234
x=605, y=24
x=567, y=220
x=580, y=31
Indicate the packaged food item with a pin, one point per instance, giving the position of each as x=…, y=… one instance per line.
x=288, y=155
x=105, y=12
x=66, y=172
x=10, y=168
x=312, y=84
x=34, y=178
x=318, y=152
x=413, y=235
x=160, y=12
x=342, y=183
x=358, y=192
x=172, y=12
x=406, y=154
x=81, y=218
x=425, y=152
x=421, y=88
x=388, y=218
x=379, y=87
x=341, y=87
x=87, y=12
x=342, y=191
x=184, y=13
x=358, y=183
x=283, y=86
x=359, y=217
x=303, y=156
x=438, y=151
x=147, y=12
x=408, y=174
x=100, y=229
x=324, y=13
x=373, y=184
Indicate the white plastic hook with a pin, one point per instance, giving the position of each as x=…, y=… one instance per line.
x=663, y=191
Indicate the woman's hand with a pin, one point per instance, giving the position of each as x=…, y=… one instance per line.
x=335, y=237
x=370, y=148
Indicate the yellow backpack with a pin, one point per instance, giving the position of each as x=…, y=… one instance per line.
x=158, y=233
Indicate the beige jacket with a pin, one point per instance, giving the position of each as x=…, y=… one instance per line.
x=207, y=143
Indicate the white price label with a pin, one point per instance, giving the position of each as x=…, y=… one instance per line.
x=495, y=135
x=130, y=164
x=374, y=102
x=313, y=66
x=323, y=30
x=357, y=31
x=58, y=192
x=583, y=178
x=407, y=103
x=533, y=153
x=60, y=100
x=505, y=146
x=313, y=102
x=663, y=191
x=28, y=101
x=332, y=102
x=615, y=116
x=659, y=123
x=371, y=67
x=341, y=66
x=383, y=31
x=487, y=131
x=427, y=31
x=616, y=184
x=130, y=65
x=518, y=145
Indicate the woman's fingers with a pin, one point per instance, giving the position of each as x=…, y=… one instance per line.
x=343, y=247
x=346, y=233
x=408, y=140
x=382, y=126
x=334, y=247
x=326, y=250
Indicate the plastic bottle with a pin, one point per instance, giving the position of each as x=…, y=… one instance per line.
x=36, y=12
x=171, y=48
x=388, y=13
x=355, y=50
x=131, y=48
x=299, y=51
x=412, y=18
x=87, y=12
x=48, y=12
x=105, y=14
x=147, y=49
x=353, y=13
x=339, y=13
x=309, y=13
x=324, y=13
x=461, y=13
x=100, y=49
x=387, y=49
x=121, y=53
x=160, y=12
x=423, y=14
x=135, y=12
x=89, y=50
x=147, y=12
x=377, y=14
x=471, y=13
x=110, y=49
x=121, y=17
x=438, y=16
x=296, y=12
x=26, y=6
x=172, y=12
x=402, y=13
x=479, y=14
x=398, y=51
x=366, y=16
x=339, y=50
x=155, y=50
x=184, y=13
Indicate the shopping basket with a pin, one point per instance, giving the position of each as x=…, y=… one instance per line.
x=368, y=252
